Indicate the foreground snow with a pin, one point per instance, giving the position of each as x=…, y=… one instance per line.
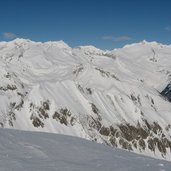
x=30, y=151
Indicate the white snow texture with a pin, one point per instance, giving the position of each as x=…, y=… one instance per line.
x=88, y=93
x=31, y=151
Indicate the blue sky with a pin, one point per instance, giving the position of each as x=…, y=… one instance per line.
x=106, y=24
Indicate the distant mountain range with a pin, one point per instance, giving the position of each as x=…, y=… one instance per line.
x=120, y=98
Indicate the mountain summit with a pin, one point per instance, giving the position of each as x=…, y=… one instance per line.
x=118, y=97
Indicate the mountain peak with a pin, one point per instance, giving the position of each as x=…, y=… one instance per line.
x=145, y=43
x=89, y=49
x=59, y=44
x=21, y=40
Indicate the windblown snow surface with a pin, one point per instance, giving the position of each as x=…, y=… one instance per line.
x=113, y=97
x=31, y=151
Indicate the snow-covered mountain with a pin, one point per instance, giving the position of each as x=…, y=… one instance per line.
x=119, y=97
x=30, y=151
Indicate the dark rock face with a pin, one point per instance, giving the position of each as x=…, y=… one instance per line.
x=167, y=92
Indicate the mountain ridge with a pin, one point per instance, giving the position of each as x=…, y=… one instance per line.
x=111, y=97
x=143, y=42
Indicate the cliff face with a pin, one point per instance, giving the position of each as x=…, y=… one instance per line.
x=114, y=97
x=167, y=92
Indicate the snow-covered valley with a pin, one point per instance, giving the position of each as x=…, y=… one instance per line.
x=111, y=97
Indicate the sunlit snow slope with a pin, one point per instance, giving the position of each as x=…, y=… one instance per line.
x=32, y=151
x=112, y=97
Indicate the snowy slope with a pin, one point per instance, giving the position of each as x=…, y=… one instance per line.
x=111, y=97
x=31, y=151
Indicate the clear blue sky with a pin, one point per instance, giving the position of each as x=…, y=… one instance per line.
x=105, y=24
